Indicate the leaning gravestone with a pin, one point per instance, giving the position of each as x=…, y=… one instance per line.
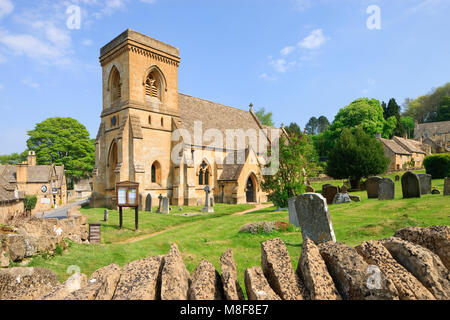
x=447, y=187
x=148, y=203
x=410, y=185
x=425, y=183
x=314, y=217
x=329, y=191
x=165, y=205
x=372, y=187
x=386, y=189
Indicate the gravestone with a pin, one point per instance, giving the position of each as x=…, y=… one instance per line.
x=105, y=215
x=148, y=203
x=397, y=178
x=372, y=187
x=341, y=198
x=160, y=197
x=425, y=183
x=309, y=189
x=410, y=185
x=293, y=219
x=313, y=217
x=447, y=187
x=329, y=191
x=211, y=201
x=386, y=189
x=355, y=198
x=207, y=207
x=435, y=190
x=165, y=206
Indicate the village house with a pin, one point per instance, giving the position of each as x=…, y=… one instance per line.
x=434, y=134
x=11, y=200
x=404, y=153
x=143, y=114
x=47, y=182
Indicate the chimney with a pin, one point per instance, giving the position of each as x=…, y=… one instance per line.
x=31, y=158
x=378, y=135
x=22, y=172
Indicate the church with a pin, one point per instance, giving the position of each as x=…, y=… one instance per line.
x=172, y=144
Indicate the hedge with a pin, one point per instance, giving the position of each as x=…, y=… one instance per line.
x=438, y=165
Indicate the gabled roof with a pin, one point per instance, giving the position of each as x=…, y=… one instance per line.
x=215, y=116
x=394, y=147
x=8, y=191
x=410, y=145
x=35, y=174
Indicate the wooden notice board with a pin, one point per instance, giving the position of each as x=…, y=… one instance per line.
x=127, y=195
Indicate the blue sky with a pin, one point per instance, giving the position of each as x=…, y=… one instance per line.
x=296, y=58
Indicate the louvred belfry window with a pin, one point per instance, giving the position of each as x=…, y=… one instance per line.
x=152, y=86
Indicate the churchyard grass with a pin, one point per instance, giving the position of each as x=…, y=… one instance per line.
x=208, y=236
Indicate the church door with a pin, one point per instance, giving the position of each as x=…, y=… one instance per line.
x=250, y=192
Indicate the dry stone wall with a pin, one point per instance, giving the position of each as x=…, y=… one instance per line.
x=408, y=266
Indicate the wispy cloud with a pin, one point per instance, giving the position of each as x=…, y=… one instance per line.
x=6, y=7
x=266, y=77
x=314, y=40
x=302, y=5
x=30, y=83
x=287, y=50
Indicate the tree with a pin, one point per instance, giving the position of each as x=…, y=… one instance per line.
x=14, y=158
x=364, y=113
x=408, y=125
x=443, y=111
x=356, y=154
x=322, y=124
x=63, y=141
x=425, y=108
x=311, y=126
x=265, y=117
x=29, y=203
x=293, y=129
x=295, y=163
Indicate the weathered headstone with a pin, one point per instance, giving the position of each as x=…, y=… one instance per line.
x=355, y=198
x=105, y=215
x=425, y=183
x=148, y=203
x=435, y=190
x=314, y=217
x=165, y=205
x=447, y=187
x=410, y=185
x=293, y=219
x=207, y=207
x=211, y=201
x=397, y=178
x=160, y=197
x=329, y=191
x=372, y=187
x=386, y=189
x=341, y=198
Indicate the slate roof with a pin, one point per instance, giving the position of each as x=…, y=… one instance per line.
x=215, y=116
x=431, y=128
x=394, y=147
x=410, y=145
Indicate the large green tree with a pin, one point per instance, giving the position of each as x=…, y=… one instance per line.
x=295, y=164
x=293, y=129
x=425, y=108
x=265, y=117
x=312, y=125
x=322, y=124
x=356, y=154
x=443, y=111
x=364, y=113
x=63, y=141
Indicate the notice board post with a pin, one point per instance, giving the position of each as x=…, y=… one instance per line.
x=127, y=193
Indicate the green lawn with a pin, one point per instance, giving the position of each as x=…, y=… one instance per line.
x=208, y=236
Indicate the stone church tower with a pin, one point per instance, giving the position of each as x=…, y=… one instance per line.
x=141, y=110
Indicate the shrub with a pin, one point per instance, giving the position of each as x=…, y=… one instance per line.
x=438, y=165
x=30, y=202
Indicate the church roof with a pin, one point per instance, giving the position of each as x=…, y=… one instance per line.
x=215, y=116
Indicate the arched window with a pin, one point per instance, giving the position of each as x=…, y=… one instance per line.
x=115, y=85
x=156, y=172
x=203, y=174
x=153, y=86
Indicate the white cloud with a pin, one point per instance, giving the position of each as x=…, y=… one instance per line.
x=29, y=82
x=314, y=40
x=6, y=7
x=287, y=50
x=281, y=65
x=302, y=5
x=266, y=77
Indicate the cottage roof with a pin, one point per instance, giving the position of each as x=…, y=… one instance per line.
x=8, y=191
x=410, y=145
x=394, y=147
